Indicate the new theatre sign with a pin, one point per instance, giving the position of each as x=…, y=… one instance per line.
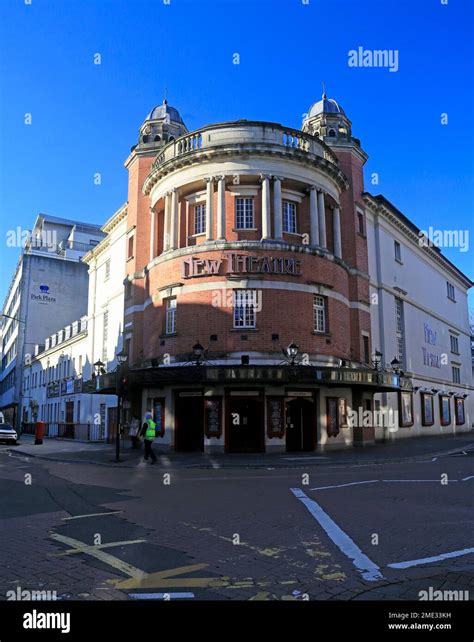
x=234, y=263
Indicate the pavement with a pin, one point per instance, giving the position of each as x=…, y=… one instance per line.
x=401, y=450
x=389, y=530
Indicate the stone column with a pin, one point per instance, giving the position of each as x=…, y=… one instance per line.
x=322, y=220
x=277, y=207
x=174, y=219
x=209, y=217
x=221, y=207
x=336, y=222
x=166, y=223
x=152, y=233
x=313, y=215
x=265, y=206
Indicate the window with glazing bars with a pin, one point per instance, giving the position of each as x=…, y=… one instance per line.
x=245, y=304
x=289, y=217
x=244, y=213
x=200, y=218
x=170, y=316
x=319, y=313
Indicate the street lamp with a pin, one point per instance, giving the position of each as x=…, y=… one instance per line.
x=291, y=352
x=119, y=389
x=198, y=352
x=395, y=364
x=100, y=368
x=377, y=360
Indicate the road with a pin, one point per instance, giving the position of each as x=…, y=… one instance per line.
x=358, y=532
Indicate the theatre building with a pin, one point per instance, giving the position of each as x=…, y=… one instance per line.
x=247, y=312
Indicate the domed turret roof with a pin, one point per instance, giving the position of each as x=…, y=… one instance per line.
x=326, y=106
x=163, y=110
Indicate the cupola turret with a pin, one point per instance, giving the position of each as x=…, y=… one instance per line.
x=327, y=120
x=162, y=125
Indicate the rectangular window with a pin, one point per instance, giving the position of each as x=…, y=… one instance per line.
x=78, y=417
x=319, y=313
x=170, y=316
x=399, y=332
x=105, y=333
x=107, y=270
x=456, y=374
x=450, y=291
x=200, y=218
x=244, y=213
x=454, y=344
x=398, y=251
x=79, y=369
x=130, y=247
x=289, y=217
x=365, y=340
x=245, y=308
x=360, y=221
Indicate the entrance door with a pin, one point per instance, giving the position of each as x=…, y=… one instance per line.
x=300, y=425
x=112, y=421
x=189, y=418
x=245, y=425
x=69, y=412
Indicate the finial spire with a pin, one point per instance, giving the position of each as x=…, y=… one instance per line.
x=324, y=91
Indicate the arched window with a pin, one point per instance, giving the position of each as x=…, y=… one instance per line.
x=157, y=138
x=145, y=139
x=332, y=133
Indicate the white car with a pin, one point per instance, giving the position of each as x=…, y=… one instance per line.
x=8, y=434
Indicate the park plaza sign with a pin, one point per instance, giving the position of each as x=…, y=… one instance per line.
x=235, y=263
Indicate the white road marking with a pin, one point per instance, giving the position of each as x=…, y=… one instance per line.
x=467, y=478
x=112, y=512
x=214, y=464
x=370, y=481
x=370, y=571
x=418, y=480
x=429, y=560
x=388, y=481
x=159, y=596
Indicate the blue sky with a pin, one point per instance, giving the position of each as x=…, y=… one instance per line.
x=85, y=117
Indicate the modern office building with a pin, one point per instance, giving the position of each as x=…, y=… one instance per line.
x=48, y=291
x=57, y=379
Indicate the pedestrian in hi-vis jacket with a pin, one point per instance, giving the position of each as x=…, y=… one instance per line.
x=148, y=432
